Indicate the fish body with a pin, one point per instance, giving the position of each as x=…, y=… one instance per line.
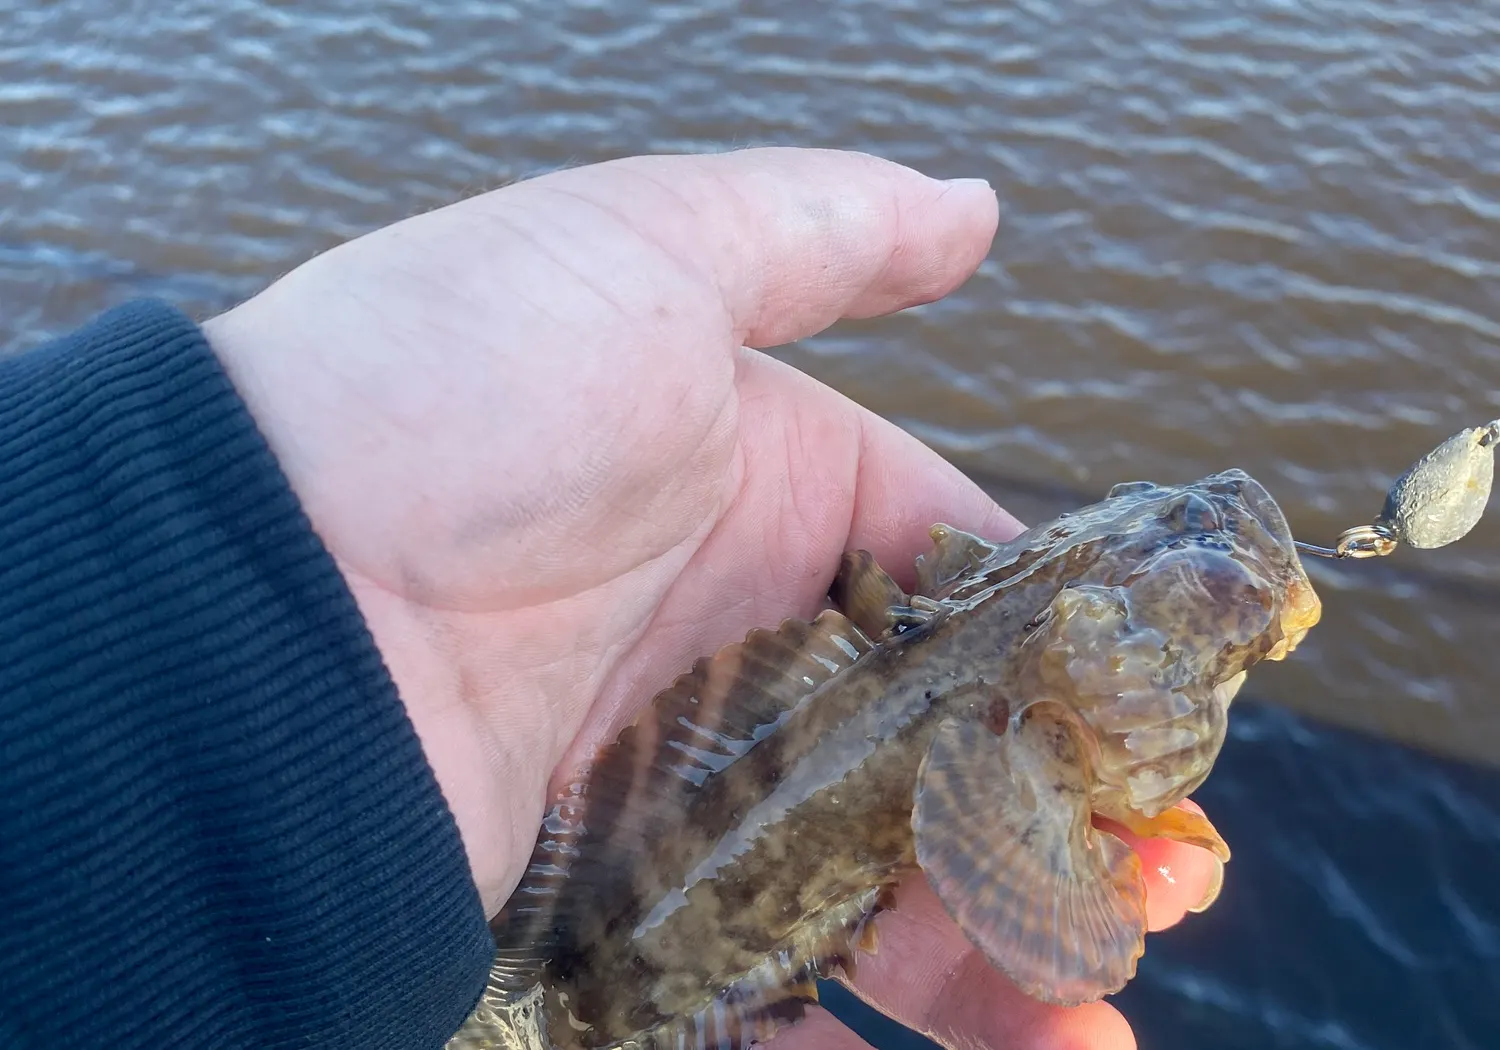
x=734, y=843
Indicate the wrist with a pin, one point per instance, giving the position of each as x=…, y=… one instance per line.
x=468, y=763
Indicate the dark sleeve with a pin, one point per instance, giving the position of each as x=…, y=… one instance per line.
x=217, y=825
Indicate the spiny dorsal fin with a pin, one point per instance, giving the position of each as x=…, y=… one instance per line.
x=728, y=701
x=955, y=554
x=641, y=786
x=876, y=604
x=867, y=594
x=714, y=714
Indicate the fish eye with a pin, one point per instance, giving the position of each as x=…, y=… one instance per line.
x=1191, y=512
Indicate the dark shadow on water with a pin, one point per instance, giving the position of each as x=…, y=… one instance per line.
x=869, y=1024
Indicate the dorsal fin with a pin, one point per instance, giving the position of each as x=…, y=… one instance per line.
x=642, y=786
x=867, y=594
x=717, y=711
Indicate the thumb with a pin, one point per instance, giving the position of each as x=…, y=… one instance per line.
x=797, y=238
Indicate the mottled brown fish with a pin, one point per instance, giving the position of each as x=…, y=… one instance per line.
x=733, y=844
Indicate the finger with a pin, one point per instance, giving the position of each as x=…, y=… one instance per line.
x=798, y=238
x=819, y=1030
x=856, y=481
x=1177, y=875
x=902, y=488
x=928, y=977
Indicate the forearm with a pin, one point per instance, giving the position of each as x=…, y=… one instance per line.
x=217, y=827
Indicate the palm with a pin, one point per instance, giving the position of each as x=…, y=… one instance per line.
x=552, y=472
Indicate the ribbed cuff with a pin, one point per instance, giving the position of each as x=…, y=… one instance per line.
x=217, y=825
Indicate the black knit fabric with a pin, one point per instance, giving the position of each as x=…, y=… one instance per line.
x=217, y=826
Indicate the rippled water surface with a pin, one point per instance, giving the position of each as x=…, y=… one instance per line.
x=1260, y=234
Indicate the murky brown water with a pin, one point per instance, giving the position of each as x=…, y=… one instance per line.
x=1263, y=235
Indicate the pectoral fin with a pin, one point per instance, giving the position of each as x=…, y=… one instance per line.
x=1004, y=836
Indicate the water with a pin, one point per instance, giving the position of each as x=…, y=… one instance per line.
x=1264, y=234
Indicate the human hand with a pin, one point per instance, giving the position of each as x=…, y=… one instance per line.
x=529, y=429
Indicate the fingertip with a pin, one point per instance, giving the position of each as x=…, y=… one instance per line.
x=974, y=201
x=929, y=977
x=997, y=1016
x=1178, y=877
x=941, y=243
x=1092, y=1026
x=799, y=238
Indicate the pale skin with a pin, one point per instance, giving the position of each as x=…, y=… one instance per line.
x=536, y=431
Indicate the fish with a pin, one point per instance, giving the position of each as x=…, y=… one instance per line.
x=739, y=840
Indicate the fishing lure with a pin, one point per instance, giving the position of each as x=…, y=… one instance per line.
x=1439, y=499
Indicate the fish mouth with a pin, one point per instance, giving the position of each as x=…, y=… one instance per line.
x=1300, y=612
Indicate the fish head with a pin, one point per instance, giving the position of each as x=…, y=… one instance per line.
x=1185, y=588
